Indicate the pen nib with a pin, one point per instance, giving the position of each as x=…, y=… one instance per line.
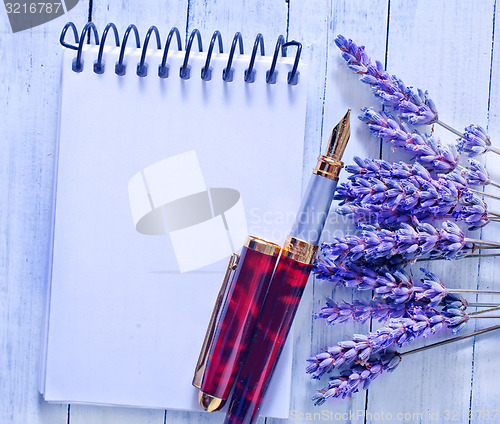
x=339, y=137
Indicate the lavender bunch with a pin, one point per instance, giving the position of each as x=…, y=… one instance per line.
x=419, y=323
x=387, y=199
x=358, y=376
x=409, y=242
x=416, y=107
x=424, y=148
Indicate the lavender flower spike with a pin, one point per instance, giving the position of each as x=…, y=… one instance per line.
x=416, y=107
x=358, y=376
x=394, y=287
x=419, y=323
x=335, y=313
x=475, y=141
x=409, y=242
x=476, y=174
x=405, y=193
x=422, y=147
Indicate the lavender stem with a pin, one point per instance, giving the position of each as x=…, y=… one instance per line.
x=474, y=291
x=451, y=129
x=471, y=256
x=483, y=311
x=494, y=150
x=488, y=316
x=482, y=193
x=493, y=306
x=453, y=339
x=478, y=242
x=476, y=255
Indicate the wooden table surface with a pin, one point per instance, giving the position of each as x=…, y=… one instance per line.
x=446, y=47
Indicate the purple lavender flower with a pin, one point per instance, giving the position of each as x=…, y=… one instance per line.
x=416, y=107
x=476, y=174
x=358, y=376
x=474, y=212
x=379, y=246
x=419, y=323
x=385, y=193
x=397, y=190
x=422, y=147
x=391, y=288
x=335, y=313
x=434, y=289
x=475, y=141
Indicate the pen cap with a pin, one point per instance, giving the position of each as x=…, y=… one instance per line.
x=233, y=319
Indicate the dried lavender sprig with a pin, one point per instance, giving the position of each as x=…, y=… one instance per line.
x=358, y=376
x=424, y=148
x=416, y=107
x=361, y=374
x=335, y=313
x=409, y=242
x=475, y=141
x=393, y=286
x=474, y=174
x=419, y=323
x=385, y=199
x=472, y=211
x=382, y=310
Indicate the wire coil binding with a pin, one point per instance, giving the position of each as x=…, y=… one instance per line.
x=185, y=69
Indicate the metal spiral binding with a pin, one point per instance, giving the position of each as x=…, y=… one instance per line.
x=185, y=70
x=98, y=65
x=120, y=67
x=142, y=68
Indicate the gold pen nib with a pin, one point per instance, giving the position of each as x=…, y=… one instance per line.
x=329, y=164
x=339, y=137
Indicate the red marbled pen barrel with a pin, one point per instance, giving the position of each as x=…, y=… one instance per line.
x=233, y=321
x=288, y=283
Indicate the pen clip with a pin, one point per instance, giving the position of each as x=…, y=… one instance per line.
x=202, y=360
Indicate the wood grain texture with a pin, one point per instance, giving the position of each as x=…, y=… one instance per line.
x=485, y=394
x=447, y=47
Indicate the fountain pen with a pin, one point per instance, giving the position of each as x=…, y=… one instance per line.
x=287, y=283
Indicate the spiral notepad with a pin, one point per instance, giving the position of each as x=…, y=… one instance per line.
x=168, y=158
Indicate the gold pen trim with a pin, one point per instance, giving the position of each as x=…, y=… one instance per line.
x=202, y=359
x=262, y=246
x=299, y=250
x=328, y=167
